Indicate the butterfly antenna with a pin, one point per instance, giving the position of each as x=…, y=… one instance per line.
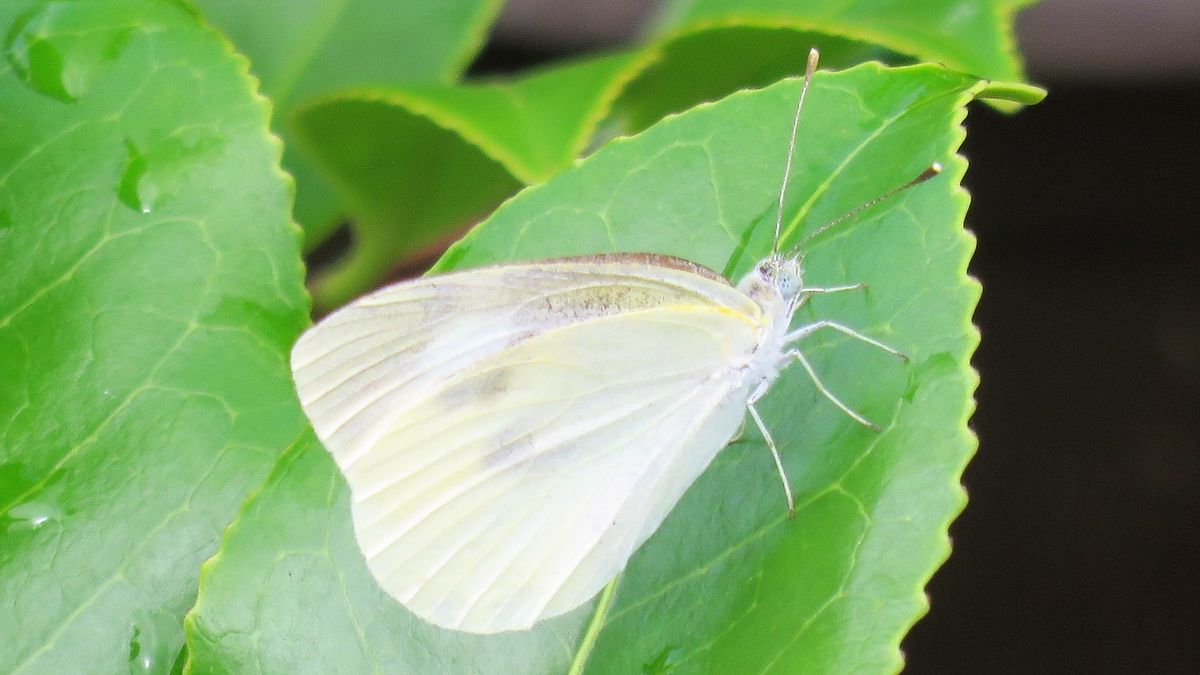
x=933, y=170
x=811, y=68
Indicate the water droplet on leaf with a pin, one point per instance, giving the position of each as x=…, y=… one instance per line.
x=60, y=49
x=163, y=168
x=157, y=637
x=129, y=189
x=32, y=515
x=28, y=501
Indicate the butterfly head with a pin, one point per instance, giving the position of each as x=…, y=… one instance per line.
x=776, y=278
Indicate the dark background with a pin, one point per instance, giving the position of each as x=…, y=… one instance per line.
x=1079, y=549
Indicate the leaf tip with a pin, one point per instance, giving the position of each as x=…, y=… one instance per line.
x=1012, y=92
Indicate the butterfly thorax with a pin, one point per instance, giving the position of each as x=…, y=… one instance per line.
x=775, y=286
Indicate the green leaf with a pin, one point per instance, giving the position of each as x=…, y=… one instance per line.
x=149, y=292
x=302, y=50
x=416, y=163
x=713, y=47
x=728, y=584
x=707, y=64
x=973, y=36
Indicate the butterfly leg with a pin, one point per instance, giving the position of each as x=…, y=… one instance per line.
x=762, y=428
x=804, y=331
x=797, y=355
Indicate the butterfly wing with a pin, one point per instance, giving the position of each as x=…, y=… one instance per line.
x=512, y=435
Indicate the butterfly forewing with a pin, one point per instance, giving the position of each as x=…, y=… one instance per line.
x=370, y=359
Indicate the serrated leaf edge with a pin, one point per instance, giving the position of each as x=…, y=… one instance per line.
x=267, y=111
x=968, y=371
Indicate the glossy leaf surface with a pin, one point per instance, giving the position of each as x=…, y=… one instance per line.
x=149, y=291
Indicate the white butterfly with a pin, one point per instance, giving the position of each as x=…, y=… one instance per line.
x=512, y=434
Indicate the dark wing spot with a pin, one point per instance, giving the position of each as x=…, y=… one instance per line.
x=488, y=385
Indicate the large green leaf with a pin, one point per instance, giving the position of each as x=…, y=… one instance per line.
x=149, y=291
x=417, y=162
x=728, y=584
x=305, y=49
